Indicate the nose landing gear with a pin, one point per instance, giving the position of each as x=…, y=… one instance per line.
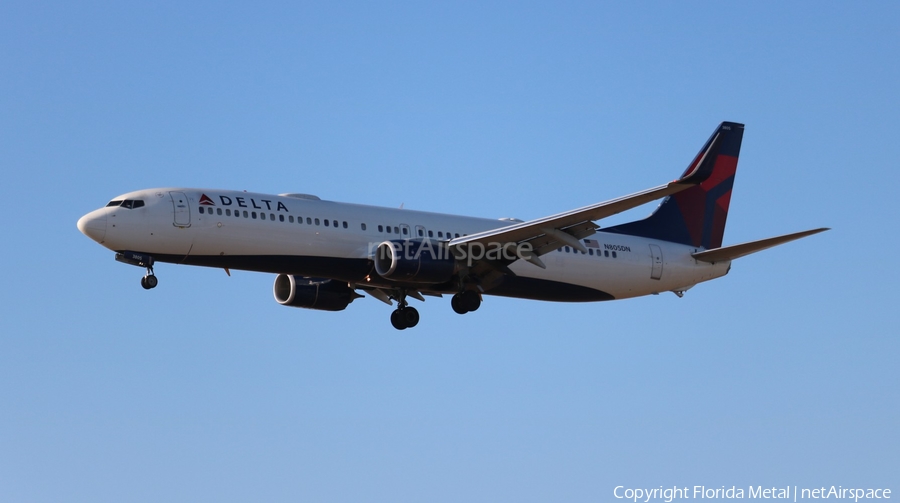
x=141, y=260
x=149, y=280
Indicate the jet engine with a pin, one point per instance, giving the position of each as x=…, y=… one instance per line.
x=312, y=293
x=415, y=261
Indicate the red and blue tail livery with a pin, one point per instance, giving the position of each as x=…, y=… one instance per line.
x=326, y=254
x=696, y=216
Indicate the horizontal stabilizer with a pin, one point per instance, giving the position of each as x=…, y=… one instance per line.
x=736, y=251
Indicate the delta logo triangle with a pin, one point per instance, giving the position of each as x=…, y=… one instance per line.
x=206, y=201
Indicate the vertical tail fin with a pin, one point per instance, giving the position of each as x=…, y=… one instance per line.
x=696, y=216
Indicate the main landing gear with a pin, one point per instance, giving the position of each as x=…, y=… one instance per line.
x=465, y=302
x=404, y=316
x=407, y=317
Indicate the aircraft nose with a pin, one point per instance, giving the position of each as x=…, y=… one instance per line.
x=93, y=225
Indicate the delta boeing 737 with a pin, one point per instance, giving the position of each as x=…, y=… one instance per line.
x=324, y=253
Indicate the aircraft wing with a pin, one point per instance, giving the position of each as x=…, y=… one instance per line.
x=388, y=295
x=549, y=233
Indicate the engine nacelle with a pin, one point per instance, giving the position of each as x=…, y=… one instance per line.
x=312, y=293
x=415, y=261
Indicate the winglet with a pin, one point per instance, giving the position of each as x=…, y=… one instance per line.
x=736, y=251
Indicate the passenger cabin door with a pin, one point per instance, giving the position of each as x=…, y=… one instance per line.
x=656, y=254
x=182, y=210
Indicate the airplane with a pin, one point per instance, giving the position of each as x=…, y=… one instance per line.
x=325, y=253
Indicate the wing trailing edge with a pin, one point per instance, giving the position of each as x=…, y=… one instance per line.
x=736, y=251
x=579, y=222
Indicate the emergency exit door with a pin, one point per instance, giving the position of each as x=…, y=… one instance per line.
x=182, y=210
x=656, y=254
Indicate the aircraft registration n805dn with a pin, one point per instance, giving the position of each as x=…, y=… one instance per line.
x=324, y=253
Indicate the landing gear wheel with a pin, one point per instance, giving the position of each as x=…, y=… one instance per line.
x=404, y=317
x=149, y=281
x=397, y=320
x=465, y=302
x=471, y=300
x=457, y=305
x=410, y=316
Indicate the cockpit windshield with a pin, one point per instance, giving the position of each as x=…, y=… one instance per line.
x=127, y=203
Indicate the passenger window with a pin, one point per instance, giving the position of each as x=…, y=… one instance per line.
x=363, y=226
x=345, y=224
x=317, y=221
x=309, y=221
x=218, y=211
x=227, y=212
x=380, y=228
x=590, y=252
x=421, y=233
x=431, y=234
x=388, y=229
x=272, y=217
x=606, y=253
x=404, y=231
x=396, y=230
x=246, y=214
x=326, y=222
x=440, y=234
x=614, y=254
x=201, y=210
x=334, y=222
x=567, y=249
x=281, y=218
x=291, y=219
x=457, y=234
x=253, y=215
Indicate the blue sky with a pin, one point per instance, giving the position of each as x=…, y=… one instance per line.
x=782, y=373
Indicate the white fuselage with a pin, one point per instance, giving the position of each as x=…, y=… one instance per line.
x=305, y=236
